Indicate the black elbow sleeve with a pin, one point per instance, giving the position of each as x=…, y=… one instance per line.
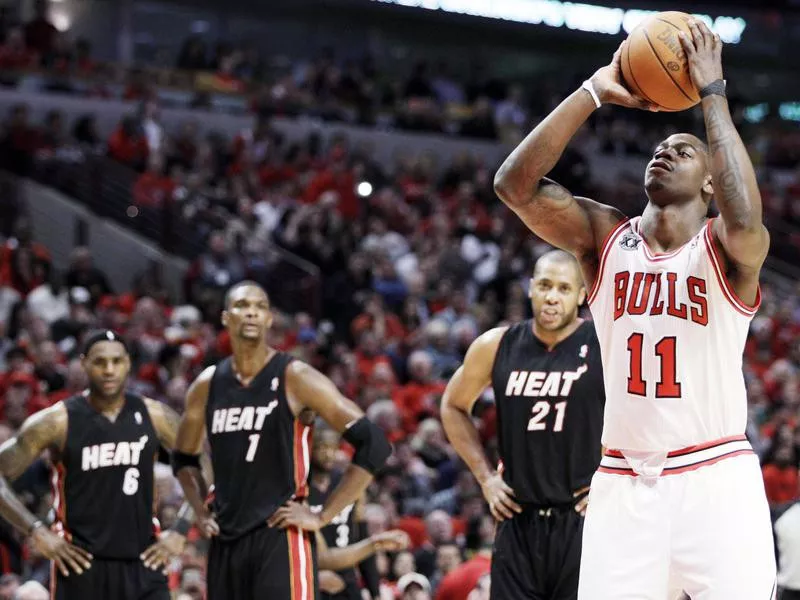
x=372, y=447
x=181, y=460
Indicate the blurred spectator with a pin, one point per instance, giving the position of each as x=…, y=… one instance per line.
x=24, y=263
x=40, y=33
x=14, y=54
x=128, y=145
x=82, y=273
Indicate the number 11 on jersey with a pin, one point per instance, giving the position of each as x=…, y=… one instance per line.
x=667, y=385
x=251, y=449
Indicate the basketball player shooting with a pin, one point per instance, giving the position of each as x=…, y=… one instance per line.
x=548, y=388
x=678, y=502
x=256, y=408
x=103, y=444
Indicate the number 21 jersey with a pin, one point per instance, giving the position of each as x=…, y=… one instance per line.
x=549, y=412
x=672, y=332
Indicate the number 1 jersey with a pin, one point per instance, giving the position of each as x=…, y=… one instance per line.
x=259, y=450
x=672, y=332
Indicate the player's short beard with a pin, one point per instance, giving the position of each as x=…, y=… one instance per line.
x=97, y=391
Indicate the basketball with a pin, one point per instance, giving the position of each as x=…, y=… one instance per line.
x=654, y=64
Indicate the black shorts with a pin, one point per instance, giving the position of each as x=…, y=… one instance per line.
x=265, y=563
x=537, y=554
x=118, y=579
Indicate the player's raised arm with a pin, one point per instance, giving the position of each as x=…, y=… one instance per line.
x=577, y=225
x=463, y=390
x=740, y=231
x=43, y=430
x=186, y=456
x=308, y=388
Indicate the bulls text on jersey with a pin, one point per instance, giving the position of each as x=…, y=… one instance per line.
x=542, y=383
x=248, y=418
x=657, y=293
x=112, y=454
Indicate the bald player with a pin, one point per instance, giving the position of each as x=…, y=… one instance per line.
x=256, y=409
x=548, y=388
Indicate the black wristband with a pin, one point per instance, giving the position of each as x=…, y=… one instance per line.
x=716, y=87
x=182, y=460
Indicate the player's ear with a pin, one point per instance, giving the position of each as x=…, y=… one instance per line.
x=530, y=288
x=224, y=318
x=581, y=296
x=708, y=186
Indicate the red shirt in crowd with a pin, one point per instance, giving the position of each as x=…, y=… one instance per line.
x=153, y=190
x=457, y=584
x=780, y=483
x=127, y=149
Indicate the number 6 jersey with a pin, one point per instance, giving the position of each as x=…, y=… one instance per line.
x=103, y=479
x=549, y=413
x=672, y=332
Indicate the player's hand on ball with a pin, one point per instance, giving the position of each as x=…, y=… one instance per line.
x=295, y=514
x=207, y=525
x=67, y=558
x=608, y=85
x=391, y=541
x=500, y=497
x=704, y=54
x=583, y=503
x=169, y=545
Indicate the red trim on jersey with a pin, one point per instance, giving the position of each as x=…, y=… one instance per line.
x=604, y=250
x=60, y=500
x=301, y=574
x=651, y=256
x=690, y=449
x=727, y=288
x=302, y=458
x=678, y=470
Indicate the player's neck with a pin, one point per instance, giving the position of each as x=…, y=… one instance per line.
x=108, y=407
x=553, y=338
x=667, y=228
x=249, y=359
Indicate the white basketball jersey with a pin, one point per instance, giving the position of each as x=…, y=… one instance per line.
x=672, y=333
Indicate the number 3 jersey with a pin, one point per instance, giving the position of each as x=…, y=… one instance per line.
x=103, y=479
x=259, y=450
x=672, y=333
x=549, y=413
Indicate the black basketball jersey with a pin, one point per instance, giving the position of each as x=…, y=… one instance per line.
x=103, y=497
x=260, y=452
x=341, y=531
x=549, y=412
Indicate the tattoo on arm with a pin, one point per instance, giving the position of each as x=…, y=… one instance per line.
x=166, y=421
x=729, y=166
x=17, y=454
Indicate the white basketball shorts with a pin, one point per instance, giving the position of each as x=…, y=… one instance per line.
x=700, y=524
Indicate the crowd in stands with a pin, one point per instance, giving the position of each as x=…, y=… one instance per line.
x=415, y=265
